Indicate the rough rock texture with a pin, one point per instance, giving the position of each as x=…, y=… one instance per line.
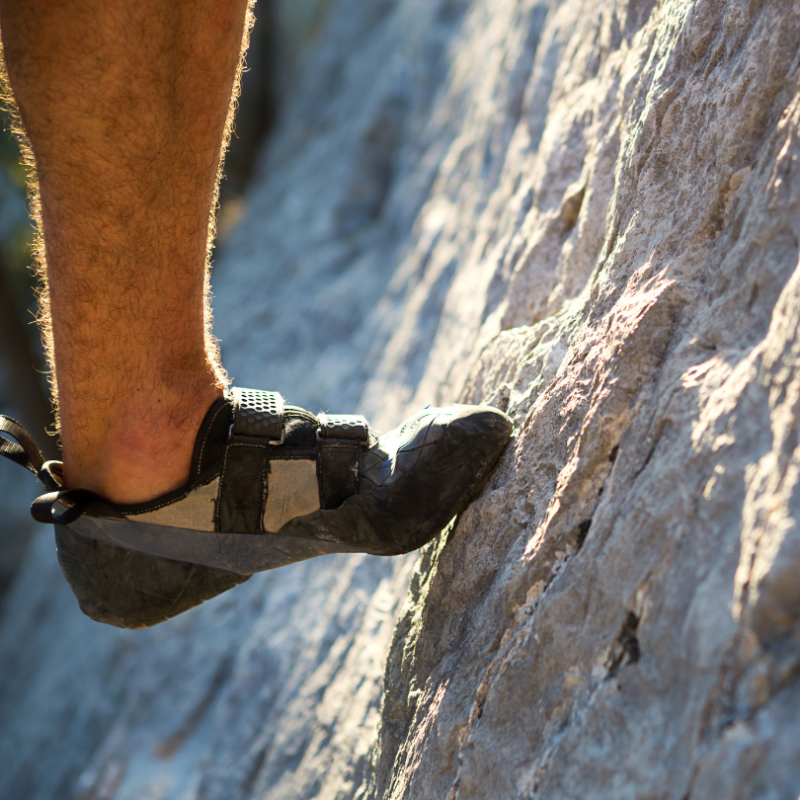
x=587, y=213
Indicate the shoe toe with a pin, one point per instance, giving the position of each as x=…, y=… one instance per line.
x=414, y=481
x=473, y=439
x=440, y=469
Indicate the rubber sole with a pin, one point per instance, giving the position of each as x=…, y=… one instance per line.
x=239, y=553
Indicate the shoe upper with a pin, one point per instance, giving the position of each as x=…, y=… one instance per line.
x=304, y=484
x=414, y=480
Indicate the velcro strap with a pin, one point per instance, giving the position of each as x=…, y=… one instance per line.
x=338, y=470
x=243, y=488
x=26, y=453
x=257, y=414
x=342, y=437
x=344, y=426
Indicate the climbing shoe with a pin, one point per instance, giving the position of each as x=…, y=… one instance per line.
x=270, y=484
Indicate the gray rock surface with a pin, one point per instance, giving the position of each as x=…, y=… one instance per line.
x=588, y=214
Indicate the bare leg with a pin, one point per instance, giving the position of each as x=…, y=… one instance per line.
x=125, y=107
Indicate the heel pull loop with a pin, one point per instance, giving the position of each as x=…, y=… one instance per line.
x=26, y=453
x=73, y=503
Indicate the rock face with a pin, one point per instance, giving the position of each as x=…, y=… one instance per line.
x=587, y=213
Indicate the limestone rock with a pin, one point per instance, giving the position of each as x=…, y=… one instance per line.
x=586, y=213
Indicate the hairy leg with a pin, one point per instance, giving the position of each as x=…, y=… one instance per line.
x=125, y=106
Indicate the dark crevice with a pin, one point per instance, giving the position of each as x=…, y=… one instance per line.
x=626, y=650
x=651, y=452
x=583, y=532
x=571, y=210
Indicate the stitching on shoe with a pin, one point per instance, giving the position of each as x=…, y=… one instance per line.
x=218, y=504
x=300, y=454
x=208, y=433
x=265, y=471
x=217, y=521
x=174, y=499
x=320, y=478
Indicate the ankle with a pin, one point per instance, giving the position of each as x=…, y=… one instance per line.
x=143, y=450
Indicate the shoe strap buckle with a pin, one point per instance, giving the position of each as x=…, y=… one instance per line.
x=352, y=427
x=257, y=414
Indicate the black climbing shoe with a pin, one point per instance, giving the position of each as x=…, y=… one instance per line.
x=269, y=485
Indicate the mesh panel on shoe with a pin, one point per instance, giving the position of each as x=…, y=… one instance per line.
x=258, y=413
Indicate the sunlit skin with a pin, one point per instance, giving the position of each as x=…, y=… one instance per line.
x=125, y=107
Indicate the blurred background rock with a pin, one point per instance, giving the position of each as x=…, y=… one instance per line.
x=23, y=386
